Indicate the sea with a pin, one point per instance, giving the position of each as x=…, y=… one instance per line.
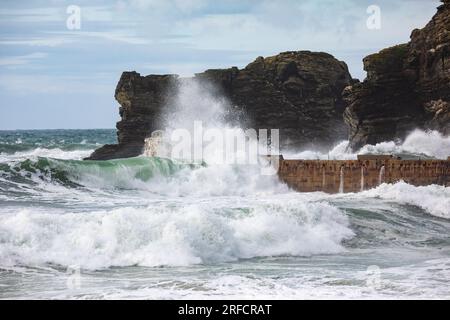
x=158, y=228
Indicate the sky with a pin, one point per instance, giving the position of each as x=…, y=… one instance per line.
x=55, y=74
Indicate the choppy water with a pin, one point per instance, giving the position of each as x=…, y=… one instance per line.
x=153, y=228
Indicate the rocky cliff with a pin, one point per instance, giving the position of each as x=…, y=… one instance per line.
x=296, y=92
x=407, y=87
x=141, y=100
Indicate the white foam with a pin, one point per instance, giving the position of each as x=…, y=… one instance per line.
x=46, y=153
x=423, y=280
x=169, y=234
x=219, y=180
x=339, y=152
x=429, y=143
x=434, y=199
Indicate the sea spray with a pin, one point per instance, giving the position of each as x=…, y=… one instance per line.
x=197, y=127
x=381, y=174
x=341, y=180
x=194, y=102
x=323, y=178
x=418, y=144
x=362, y=178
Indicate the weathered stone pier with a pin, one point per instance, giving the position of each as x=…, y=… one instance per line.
x=369, y=171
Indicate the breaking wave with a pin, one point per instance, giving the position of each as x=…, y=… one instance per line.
x=150, y=211
x=122, y=173
x=57, y=211
x=433, y=199
x=418, y=144
x=171, y=235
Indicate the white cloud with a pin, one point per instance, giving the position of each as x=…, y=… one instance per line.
x=55, y=14
x=37, y=42
x=32, y=84
x=294, y=25
x=32, y=15
x=259, y=27
x=119, y=36
x=21, y=60
x=181, y=6
x=113, y=35
x=97, y=13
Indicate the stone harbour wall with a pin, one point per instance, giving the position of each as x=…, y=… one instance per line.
x=334, y=176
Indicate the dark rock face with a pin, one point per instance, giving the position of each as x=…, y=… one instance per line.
x=296, y=92
x=141, y=100
x=407, y=87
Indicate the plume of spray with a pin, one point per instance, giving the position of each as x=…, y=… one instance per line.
x=203, y=127
x=200, y=125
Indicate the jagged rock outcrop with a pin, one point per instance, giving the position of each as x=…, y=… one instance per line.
x=141, y=101
x=407, y=87
x=296, y=92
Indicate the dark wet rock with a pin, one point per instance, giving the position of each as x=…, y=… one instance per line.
x=141, y=99
x=296, y=92
x=407, y=87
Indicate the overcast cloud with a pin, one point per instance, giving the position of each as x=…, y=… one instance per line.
x=53, y=77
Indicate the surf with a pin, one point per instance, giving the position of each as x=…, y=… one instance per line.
x=107, y=174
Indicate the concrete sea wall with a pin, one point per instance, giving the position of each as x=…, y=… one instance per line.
x=334, y=176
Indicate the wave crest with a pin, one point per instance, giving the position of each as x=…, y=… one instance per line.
x=122, y=173
x=174, y=236
x=418, y=144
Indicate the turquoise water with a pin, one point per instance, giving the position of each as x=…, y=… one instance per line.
x=154, y=228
